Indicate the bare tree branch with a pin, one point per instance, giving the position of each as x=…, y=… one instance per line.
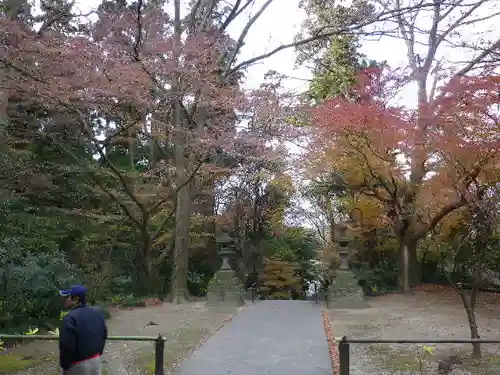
x=244, y=33
x=473, y=63
x=235, y=12
x=138, y=36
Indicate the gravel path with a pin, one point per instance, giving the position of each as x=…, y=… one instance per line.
x=269, y=337
x=421, y=316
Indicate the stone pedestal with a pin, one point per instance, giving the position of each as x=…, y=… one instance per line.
x=344, y=292
x=225, y=289
x=321, y=295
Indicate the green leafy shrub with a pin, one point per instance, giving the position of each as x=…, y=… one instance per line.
x=196, y=283
x=31, y=282
x=381, y=279
x=118, y=299
x=120, y=283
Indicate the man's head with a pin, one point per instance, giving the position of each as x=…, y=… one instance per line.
x=77, y=294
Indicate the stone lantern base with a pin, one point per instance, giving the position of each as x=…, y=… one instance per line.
x=345, y=292
x=225, y=289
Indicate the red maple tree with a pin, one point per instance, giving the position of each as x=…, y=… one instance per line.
x=126, y=76
x=370, y=141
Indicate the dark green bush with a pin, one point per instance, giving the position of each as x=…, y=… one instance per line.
x=30, y=283
x=381, y=279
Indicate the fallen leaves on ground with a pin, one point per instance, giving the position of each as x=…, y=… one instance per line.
x=432, y=288
x=152, y=301
x=433, y=291
x=332, y=345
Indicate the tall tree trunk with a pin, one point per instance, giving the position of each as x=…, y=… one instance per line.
x=256, y=211
x=331, y=221
x=413, y=266
x=404, y=266
x=371, y=254
x=131, y=146
x=409, y=272
x=178, y=283
x=469, y=305
x=151, y=272
x=4, y=104
x=147, y=271
x=13, y=8
x=4, y=101
x=211, y=245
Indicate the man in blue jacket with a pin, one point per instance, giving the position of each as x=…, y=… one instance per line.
x=82, y=336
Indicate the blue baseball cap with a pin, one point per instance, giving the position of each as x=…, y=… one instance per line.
x=74, y=291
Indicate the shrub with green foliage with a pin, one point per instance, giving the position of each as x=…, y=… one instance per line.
x=294, y=247
x=381, y=279
x=29, y=284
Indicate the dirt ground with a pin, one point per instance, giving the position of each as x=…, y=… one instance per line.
x=183, y=326
x=438, y=315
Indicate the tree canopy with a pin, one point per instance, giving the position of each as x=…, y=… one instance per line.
x=129, y=141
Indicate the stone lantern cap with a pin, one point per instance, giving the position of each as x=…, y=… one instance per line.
x=226, y=248
x=225, y=244
x=341, y=234
x=223, y=238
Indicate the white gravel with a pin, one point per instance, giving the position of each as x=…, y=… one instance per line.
x=421, y=316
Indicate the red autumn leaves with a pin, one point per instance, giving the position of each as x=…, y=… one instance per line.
x=332, y=345
x=103, y=70
x=444, y=144
x=463, y=119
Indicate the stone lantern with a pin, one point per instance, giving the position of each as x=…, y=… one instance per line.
x=225, y=288
x=343, y=241
x=225, y=247
x=344, y=292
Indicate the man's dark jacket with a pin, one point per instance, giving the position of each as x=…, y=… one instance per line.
x=82, y=336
